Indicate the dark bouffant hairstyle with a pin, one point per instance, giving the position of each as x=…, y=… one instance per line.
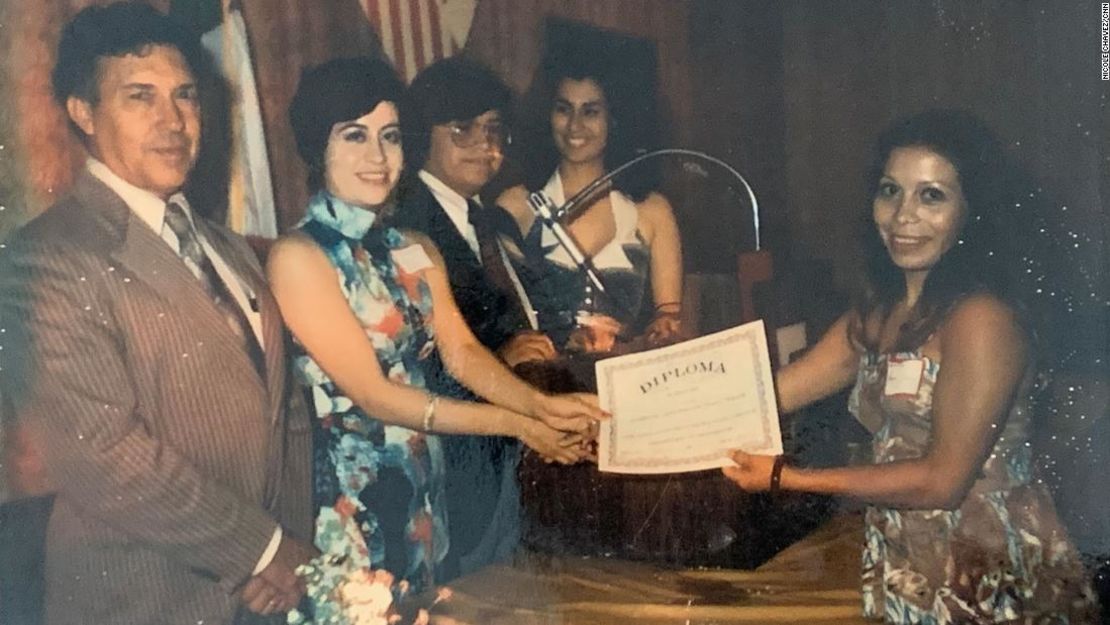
x=455, y=89
x=985, y=255
x=337, y=91
x=633, y=123
x=115, y=30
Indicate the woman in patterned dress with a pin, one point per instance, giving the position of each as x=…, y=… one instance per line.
x=942, y=354
x=367, y=306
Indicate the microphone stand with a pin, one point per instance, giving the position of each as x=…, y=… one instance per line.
x=545, y=210
x=553, y=216
x=567, y=211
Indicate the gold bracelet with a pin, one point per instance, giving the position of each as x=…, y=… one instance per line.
x=430, y=411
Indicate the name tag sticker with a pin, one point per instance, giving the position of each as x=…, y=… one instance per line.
x=903, y=377
x=412, y=258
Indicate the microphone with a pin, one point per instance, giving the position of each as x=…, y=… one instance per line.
x=546, y=210
x=567, y=211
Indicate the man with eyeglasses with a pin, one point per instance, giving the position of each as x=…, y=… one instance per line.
x=456, y=131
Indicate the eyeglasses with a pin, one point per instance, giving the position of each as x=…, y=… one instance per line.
x=470, y=134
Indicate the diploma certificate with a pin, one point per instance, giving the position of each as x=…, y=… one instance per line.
x=682, y=407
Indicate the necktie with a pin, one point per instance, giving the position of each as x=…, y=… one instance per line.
x=490, y=253
x=192, y=253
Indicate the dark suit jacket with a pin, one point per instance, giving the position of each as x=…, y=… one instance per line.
x=493, y=316
x=474, y=463
x=172, y=457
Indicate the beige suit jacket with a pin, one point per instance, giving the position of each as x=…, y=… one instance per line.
x=173, y=458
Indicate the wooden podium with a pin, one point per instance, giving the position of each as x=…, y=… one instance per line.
x=688, y=519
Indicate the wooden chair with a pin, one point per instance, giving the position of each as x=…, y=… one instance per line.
x=715, y=301
x=753, y=268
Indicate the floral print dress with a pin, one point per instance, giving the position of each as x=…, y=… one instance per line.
x=1002, y=557
x=378, y=488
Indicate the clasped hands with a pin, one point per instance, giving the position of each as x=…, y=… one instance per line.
x=278, y=588
x=566, y=427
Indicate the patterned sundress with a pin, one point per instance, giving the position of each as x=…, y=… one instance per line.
x=378, y=488
x=1002, y=557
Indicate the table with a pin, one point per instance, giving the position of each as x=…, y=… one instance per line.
x=814, y=581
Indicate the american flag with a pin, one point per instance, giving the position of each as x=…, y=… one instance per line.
x=417, y=33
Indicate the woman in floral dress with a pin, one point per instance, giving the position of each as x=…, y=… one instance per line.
x=942, y=354
x=368, y=305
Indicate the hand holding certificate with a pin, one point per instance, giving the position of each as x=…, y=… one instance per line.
x=682, y=407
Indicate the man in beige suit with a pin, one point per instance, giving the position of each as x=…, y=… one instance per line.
x=144, y=355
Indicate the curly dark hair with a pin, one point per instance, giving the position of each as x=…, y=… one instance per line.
x=633, y=123
x=337, y=91
x=116, y=30
x=987, y=248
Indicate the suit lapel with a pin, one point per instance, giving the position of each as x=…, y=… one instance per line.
x=147, y=257
x=135, y=246
x=239, y=258
x=240, y=261
x=451, y=243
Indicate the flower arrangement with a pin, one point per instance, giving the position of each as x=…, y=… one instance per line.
x=340, y=593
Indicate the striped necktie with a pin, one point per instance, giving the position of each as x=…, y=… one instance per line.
x=489, y=251
x=192, y=253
